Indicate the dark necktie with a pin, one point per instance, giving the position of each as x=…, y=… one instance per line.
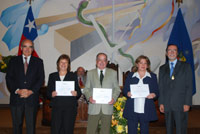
x=101, y=77
x=172, y=69
x=25, y=65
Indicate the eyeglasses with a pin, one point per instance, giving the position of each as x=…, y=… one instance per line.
x=171, y=50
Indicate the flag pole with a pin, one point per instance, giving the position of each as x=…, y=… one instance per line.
x=113, y=20
x=179, y=2
x=29, y=2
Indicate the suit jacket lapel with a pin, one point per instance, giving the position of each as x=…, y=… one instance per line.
x=177, y=67
x=65, y=78
x=21, y=63
x=167, y=70
x=106, y=75
x=97, y=76
x=134, y=80
x=146, y=80
x=30, y=65
x=57, y=77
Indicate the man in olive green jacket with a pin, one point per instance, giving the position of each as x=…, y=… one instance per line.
x=101, y=112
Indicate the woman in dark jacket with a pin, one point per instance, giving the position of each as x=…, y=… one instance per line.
x=140, y=110
x=64, y=108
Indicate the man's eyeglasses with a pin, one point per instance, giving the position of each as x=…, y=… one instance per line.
x=171, y=50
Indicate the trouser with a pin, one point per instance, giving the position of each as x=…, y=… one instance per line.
x=18, y=113
x=63, y=120
x=133, y=125
x=93, y=122
x=180, y=119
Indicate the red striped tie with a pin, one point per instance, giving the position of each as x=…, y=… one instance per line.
x=25, y=65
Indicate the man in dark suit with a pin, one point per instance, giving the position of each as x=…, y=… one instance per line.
x=100, y=77
x=175, y=85
x=25, y=76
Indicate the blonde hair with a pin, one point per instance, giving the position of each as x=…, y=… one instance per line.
x=135, y=68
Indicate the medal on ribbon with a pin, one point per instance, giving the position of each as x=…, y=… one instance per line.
x=173, y=77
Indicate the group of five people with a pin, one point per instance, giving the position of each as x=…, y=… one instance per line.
x=25, y=76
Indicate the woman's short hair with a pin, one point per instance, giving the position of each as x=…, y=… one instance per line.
x=135, y=68
x=66, y=57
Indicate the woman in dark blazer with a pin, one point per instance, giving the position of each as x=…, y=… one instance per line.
x=64, y=108
x=140, y=110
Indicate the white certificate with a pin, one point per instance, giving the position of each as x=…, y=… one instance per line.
x=64, y=88
x=139, y=90
x=102, y=95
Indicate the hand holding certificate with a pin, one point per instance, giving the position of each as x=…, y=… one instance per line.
x=102, y=95
x=64, y=88
x=139, y=90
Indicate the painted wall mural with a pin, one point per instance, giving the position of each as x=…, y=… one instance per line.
x=124, y=29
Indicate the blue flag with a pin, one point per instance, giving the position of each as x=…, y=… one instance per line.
x=179, y=36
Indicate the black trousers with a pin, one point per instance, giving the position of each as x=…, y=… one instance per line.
x=133, y=125
x=18, y=113
x=177, y=118
x=63, y=119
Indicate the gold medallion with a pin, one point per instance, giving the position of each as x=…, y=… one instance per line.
x=173, y=77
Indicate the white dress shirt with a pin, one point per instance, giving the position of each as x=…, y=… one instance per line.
x=99, y=72
x=62, y=77
x=28, y=59
x=139, y=103
x=175, y=61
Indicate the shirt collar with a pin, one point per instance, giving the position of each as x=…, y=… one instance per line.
x=28, y=58
x=175, y=61
x=104, y=70
x=136, y=74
